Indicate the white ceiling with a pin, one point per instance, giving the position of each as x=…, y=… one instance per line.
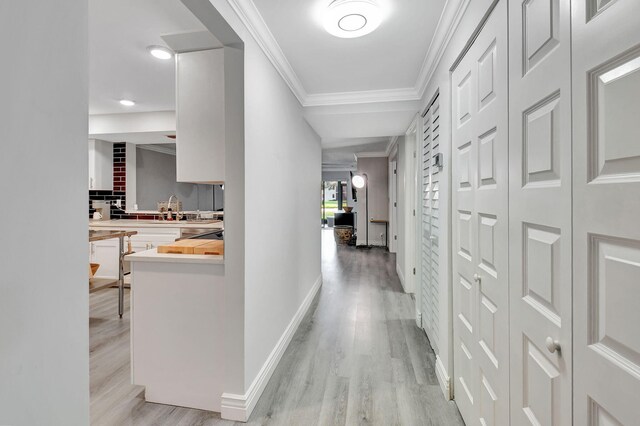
x=389, y=58
x=357, y=93
x=119, y=65
x=345, y=156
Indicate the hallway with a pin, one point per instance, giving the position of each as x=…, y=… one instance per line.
x=357, y=358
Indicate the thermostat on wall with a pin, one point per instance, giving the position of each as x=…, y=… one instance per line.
x=438, y=160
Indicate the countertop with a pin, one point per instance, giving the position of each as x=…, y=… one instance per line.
x=108, y=234
x=134, y=223
x=153, y=256
x=155, y=212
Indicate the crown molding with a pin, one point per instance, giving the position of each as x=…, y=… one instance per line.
x=339, y=168
x=451, y=16
x=447, y=25
x=361, y=97
x=252, y=19
x=371, y=154
x=392, y=144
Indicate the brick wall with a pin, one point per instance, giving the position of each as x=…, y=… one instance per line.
x=119, y=184
x=119, y=167
x=119, y=187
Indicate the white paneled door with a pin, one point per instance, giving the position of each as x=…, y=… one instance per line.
x=540, y=211
x=606, y=232
x=481, y=226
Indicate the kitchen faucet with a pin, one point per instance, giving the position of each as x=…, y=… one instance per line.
x=178, y=216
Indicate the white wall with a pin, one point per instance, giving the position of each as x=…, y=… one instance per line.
x=272, y=227
x=377, y=170
x=441, y=80
x=162, y=122
x=283, y=174
x=44, y=306
x=156, y=181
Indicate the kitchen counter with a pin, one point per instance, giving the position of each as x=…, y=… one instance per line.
x=154, y=256
x=155, y=212
x=134, y=223
x=177, y=328
x=95, y=235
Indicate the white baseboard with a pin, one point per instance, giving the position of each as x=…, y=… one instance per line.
x=372, y=242
x=443, y=378
x=239, y=407
x=401, y=276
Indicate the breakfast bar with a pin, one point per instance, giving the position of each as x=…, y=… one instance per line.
x=177, y=324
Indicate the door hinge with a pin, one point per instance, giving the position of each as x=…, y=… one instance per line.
x=395, y=237
x=414, y=154
x=414, y=271
x=414, y=212
x=395, y=172
x=395, y=204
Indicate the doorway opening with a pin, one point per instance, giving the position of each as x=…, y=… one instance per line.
x=334, y=200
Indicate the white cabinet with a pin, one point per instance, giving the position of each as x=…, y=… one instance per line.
x=105, y=253
x=100, y=165
x=209, y=101
x=143, y=241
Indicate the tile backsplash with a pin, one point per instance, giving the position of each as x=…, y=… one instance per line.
x=119, y=184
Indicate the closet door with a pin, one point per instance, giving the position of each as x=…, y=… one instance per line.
x=480, y=225
x=430, y=224
x=606, y=232
x=540, y=211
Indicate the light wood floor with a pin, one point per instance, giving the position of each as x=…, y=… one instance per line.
x=357, y=358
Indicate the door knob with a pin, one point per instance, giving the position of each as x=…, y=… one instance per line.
x=476, y=278
x=552, y=345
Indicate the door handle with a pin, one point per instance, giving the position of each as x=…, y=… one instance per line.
x=552, y=345
x=477, y=278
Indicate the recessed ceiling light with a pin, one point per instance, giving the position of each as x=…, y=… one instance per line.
x=352, y=18
x=127, y=102
x=160, y=52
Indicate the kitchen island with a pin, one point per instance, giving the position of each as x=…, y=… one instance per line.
x=150, y=234
x=177, y=328
x=151, y=223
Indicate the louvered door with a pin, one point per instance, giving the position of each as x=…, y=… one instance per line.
x=430, y=223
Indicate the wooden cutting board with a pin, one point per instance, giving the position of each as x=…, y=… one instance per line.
x=215, y=247
x=182, y=246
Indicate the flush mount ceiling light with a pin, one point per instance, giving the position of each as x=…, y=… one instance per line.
x=160, y=52
x=352, y=18
x=127, y=102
